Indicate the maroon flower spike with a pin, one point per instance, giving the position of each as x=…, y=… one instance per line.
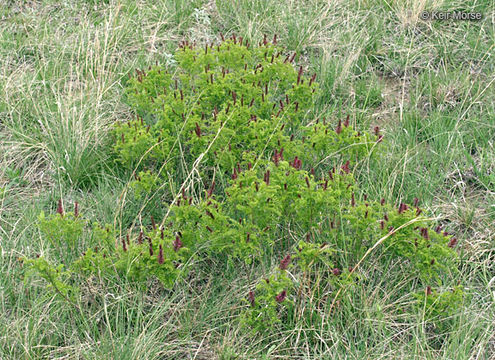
x=234, y=174
x=385, y=217
x=267, y=177
x=209, y=228
x=248, y=237
x=424, y=233
x=76, y=209
x=296, y=164
x=382, y=224
x=124, y=245
x=307, y=182
x=197, y=130
x=140, y=238
x=353, y=200
x=150, y=247
x=299, y=74
x=153, y=223
x=382, y=202
x=285, y=262
x=346, y=122
x=210, y=190
x=338, y=129
x=416, y=202
x=177, y=243
x=161, y=260
x=452, y=242
x=251, y=298
x=418, y=211
x=336, y=271
x=345, y=167
x=428, y=290
x=277, y=157
x=377, y=130
x=60, y=209
x=402, y=208
x=281, y=297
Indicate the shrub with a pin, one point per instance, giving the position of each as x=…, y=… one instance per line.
x=280, y=183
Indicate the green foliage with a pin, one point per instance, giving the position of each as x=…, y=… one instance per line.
x=222, y=102
x=63, y=231
x=270, y=303
x=245, y=113
x=55, y=276
x=439, y=308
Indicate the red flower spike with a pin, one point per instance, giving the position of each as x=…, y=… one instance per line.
x=452, y=243
x=281, y=297
x=382, y=202
x=338, y=129
x=345, y=167
x=299, y=74
x=60, y=208
x=377, y=130
x=161, y=260
x=382, y=224
x=346, y=122
x=177, y=243
x=210, y=190
x=428, y=290
x=285, y=262
x=267, y=177
x=336, y=271
x=251, y=298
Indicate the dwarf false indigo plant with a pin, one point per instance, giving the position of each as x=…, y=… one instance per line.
x=276, y=182
x=232, y=98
